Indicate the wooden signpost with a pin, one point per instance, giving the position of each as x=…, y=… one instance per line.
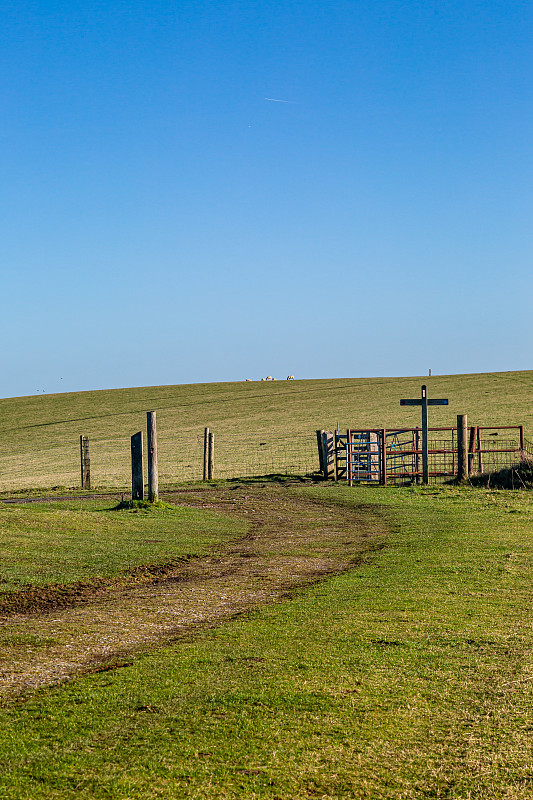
x=424, y=402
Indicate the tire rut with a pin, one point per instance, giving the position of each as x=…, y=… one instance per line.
x=292, y=542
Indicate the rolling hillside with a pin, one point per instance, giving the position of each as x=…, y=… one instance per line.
x=39, y=435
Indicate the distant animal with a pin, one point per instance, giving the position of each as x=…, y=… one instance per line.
x=248, y=380
x=290, y=377
x=262, y=379
x=269, y=377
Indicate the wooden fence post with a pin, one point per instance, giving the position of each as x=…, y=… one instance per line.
x=462, y=448
x=85, y=463
x=137, y=472
x=328, y=455
x=320, y=451
x=206, y=453
x=153, y=475
x=211, y=457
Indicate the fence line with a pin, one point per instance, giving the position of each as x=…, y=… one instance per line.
x=180, y=459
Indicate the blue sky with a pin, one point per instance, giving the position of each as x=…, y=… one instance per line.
x=165, y=223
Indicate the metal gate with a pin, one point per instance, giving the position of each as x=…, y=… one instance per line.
x=379, y=456
x=364, y=461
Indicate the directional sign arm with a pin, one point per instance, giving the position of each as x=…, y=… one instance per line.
x=443, y=402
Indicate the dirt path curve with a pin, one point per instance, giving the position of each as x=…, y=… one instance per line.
x=292, y=541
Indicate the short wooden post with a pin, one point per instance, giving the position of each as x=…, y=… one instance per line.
x=85, y=463
x=211, y=457
x=206, y=453
x=462, y=448
x=153, y=474
x=137, y=472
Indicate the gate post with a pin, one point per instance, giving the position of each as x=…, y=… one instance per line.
x=471, y=449
x=462, y=448
x=383, y=456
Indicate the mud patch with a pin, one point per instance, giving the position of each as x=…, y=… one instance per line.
x=293, y=541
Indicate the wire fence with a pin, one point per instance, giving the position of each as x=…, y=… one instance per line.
x=39, y=465
x=180, y=459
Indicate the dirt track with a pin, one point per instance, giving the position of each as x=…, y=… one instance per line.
x=292, y=541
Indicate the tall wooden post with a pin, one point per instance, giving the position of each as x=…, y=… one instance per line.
x=211, y=457
x=153, y=475
x=320, y=445
x=85, y=463
x=137, y=472
x=425, y=459
x=328, y=455
x=462, y=448
x=206, y=453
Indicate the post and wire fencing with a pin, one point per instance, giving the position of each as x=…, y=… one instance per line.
x=359, y=456
x=106, y=462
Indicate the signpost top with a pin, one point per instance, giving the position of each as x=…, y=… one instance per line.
x=424, y=400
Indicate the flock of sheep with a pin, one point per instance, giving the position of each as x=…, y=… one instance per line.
x=270, y=378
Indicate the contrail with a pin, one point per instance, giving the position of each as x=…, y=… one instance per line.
x=275, y=100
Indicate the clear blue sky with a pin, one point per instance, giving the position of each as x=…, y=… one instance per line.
x=163, y=222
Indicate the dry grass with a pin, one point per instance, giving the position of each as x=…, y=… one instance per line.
x=40, y=435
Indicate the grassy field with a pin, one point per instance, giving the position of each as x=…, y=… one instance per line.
x=78, y=541
x=253, y=422
x=409, y=676
x=363, y=643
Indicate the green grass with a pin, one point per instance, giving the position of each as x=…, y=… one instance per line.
x=39, y=435
x=65, y=542
x=409, y=677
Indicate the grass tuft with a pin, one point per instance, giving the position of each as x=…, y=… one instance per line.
x=143, y=505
